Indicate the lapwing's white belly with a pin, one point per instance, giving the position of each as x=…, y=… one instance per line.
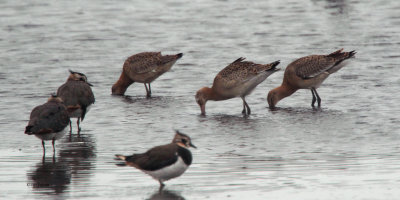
x=172, y=171
x=50, y=136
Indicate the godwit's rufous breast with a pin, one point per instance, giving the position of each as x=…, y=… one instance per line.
x=238, y=79
x=143, y=68
x=48, y=121
x=77, y=95
x=308, y=73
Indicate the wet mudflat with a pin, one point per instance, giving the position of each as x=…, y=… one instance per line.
x=348, y=149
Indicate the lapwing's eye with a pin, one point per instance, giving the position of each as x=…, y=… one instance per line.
x=81, y=79
x=184, y=141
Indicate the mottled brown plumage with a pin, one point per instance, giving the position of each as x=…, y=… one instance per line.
x=48, y=120
x=238, y=79
x=308, y=73
x=77, y=95
x=143, y=68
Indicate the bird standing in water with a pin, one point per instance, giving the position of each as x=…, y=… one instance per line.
x=77, y=95
x=143, y=68
x=48, y=121
x=238, y=79
x=308, y=73
x=163, y=162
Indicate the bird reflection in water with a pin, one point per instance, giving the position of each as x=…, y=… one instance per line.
x=165, y=195
x=75, y=159
x=78, y=152
x=50, y=176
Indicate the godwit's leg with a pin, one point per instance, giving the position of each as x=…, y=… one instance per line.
x=148, y=93
x=244, y=108
x=318, y=98
x=149, y=89
x=313, y=97
x=247, y=106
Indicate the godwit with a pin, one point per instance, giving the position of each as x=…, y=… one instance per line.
x=48, y=121
x=236, y=80
x=143, y=68
x=163, y=162
x=77, y=96
x=308, y=73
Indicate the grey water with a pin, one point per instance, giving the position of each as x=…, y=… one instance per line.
x=348, y=149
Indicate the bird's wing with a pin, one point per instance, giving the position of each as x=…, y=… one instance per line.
x=314, y=65
x=155, y=158
x=49, y=117
x=237, y=73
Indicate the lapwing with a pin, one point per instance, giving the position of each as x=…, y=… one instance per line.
x=163, y=162
x=77, y=95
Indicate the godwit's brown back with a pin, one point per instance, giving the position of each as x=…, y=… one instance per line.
x=314, y=65
x=240, y=77
x=147, y=66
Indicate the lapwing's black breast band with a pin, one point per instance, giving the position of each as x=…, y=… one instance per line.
x=185, y=155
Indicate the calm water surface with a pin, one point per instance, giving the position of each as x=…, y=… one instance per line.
x=349, y=149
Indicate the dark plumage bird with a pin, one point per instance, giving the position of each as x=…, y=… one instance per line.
x=308, y=73
x=77, y=96
x=163, y=162
x=48, y=121
x=143, y=68
x=238, y=79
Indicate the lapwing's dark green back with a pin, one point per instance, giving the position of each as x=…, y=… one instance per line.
x=49, y=117
x=160, y=157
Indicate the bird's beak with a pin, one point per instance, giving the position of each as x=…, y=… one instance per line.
x=203, y=109
x=192, y=145
x=89, y=83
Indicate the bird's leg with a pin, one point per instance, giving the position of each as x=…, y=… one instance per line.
x=70, y=127
x=248, y=109
x=318, y=98
x=78, y=123
x=148, y=93
x=245, y=105
x=244, y=108
x=44, y=148
x=54, y=149
x=149, y=89
x=313, y=97
x=161, y=186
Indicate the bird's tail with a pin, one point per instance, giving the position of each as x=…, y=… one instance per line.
x=273, y=65
x=28, y=130
x=179, y=55
x=340, y=55
x=120, y=157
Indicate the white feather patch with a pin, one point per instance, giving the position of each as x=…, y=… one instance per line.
x=172, y=171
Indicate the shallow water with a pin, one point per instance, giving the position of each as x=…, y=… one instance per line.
x=348, y=149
